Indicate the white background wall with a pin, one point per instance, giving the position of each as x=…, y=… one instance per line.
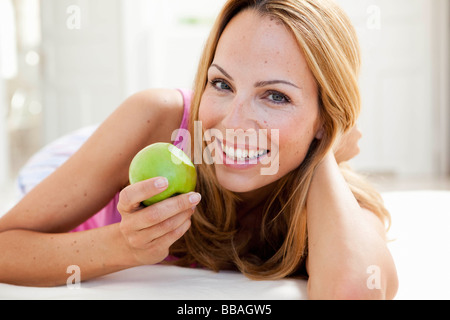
x=163, y=41
x=82, y=79
x=397, y=88
x=96, y=53
x=404, y=84
x=3, y=137
x=8, y=69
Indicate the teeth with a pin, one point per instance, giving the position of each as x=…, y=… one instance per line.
x=242, y=154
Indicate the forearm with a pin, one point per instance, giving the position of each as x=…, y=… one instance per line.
x=36, y=259
x=344, y=240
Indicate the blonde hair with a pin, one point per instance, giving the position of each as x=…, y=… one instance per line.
x=330, y=46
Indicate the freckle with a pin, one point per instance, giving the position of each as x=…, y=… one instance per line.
x=78, y=251
x=34, y=258
x=65, y=206
x=148, y=121
x=85, y=194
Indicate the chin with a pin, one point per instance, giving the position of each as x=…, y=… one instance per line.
x=239, y=183
x=236, y=186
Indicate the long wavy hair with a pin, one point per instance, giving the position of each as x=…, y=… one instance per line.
x=330, y=46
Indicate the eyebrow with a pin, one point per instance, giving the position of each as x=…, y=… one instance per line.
x=223, y=71
x=268, y=83
x=259, y=84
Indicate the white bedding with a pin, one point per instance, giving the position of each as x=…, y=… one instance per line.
x=421, y=245
x=421, y=249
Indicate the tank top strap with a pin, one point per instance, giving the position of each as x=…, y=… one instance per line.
x=181, y=140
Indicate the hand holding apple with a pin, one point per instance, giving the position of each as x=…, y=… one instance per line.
x=149, y=232
x=164, y=160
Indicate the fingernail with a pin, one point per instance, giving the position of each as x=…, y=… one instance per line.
x=195, y=198
x=161, y=183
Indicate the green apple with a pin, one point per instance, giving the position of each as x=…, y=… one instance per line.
x=164, y=160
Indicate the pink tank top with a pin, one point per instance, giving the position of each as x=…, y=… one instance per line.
x=109, y=214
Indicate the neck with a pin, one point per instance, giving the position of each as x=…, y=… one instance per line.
x=252, y=200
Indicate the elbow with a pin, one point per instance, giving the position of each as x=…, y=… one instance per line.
x=345, y=291
x=352, y=288
x=352, y=291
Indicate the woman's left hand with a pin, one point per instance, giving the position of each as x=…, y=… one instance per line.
x=347, y=147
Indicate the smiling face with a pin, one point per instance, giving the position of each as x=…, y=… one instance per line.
x=259, y=86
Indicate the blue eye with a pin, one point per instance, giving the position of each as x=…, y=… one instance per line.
x=220, y=85
x=278, y=98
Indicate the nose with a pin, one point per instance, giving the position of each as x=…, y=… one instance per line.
x=240, y=114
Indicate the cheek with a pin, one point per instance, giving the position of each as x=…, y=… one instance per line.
x=292, y=153
x=203, y=114
x=294, y=145
x=208, y=113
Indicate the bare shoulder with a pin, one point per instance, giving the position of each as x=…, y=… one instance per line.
x=144, y=118
x=164, y=98
x=156, y=112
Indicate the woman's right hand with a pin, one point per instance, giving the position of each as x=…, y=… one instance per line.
x=150, y=231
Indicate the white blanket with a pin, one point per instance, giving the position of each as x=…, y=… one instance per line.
x=421, y=243
x=420, y=247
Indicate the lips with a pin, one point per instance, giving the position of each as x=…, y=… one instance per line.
x=242, y=154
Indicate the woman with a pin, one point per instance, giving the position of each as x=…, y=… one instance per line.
x=286, y=68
